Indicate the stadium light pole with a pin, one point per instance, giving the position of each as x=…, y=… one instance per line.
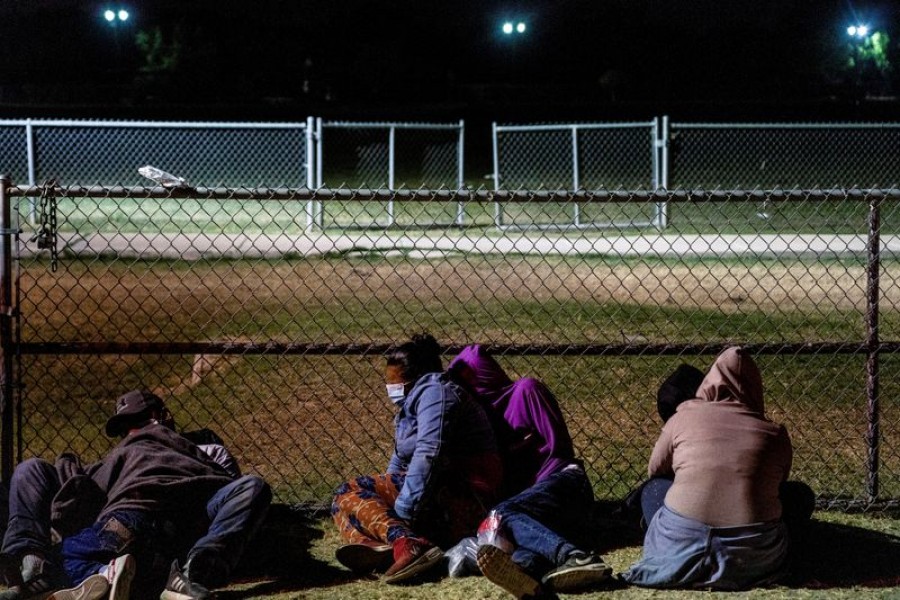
x=509, y=28
x=116, y=18
x=858, y=34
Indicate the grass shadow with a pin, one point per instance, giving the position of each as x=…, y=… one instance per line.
x=831, y=555
x=278, y=559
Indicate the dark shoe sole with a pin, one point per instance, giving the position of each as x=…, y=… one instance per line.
x=420, y=565
x=576, y=578
x=365, y=558
x=94, y=587
x=498, y=567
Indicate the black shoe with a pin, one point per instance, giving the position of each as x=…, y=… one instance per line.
x=179, y=587
x=579, y=571
x=365, y=557
x=37, y=580
x=39, y=587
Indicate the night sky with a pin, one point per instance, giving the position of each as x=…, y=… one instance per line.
x=598, y=60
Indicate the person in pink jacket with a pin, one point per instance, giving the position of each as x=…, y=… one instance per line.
x=714, y=501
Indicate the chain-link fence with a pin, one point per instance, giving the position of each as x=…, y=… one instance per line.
x=587, y=156
x=689, y=156
x=388, y=156
x=205, y=153
x=313, y=153
x=274, y=336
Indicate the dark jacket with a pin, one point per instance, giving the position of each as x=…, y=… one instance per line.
x=156, y=469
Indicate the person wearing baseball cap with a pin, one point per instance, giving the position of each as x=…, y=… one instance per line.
x=157, y=494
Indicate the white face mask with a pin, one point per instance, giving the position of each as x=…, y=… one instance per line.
x=396, y=392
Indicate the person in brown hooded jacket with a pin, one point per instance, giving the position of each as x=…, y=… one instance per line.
x=722, y=466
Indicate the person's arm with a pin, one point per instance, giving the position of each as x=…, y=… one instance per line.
x=787, y=452
x=432, y=409
x=661, y=458
x=212, y=445
x=396, y=464
x=221, y=456
x=539, y=418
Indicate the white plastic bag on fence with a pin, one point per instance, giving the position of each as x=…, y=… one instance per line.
x=167, y=180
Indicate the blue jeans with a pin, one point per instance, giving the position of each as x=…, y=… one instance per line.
x=233, y=515
x=31, y=489
x=543, y=520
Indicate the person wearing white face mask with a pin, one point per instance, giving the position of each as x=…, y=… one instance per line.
x=444, y=473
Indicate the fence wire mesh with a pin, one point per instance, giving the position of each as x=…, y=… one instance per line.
x=384, y=155
x=273, y=335
x=230, y=154
x=770, y=156
x=575, y=157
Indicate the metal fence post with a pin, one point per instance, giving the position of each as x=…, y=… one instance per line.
x=310, y=174
x=32, y=169
x=320, y=205
x=461, y=178
x=392, y=138
x=872, y=344
x=576, y=177
x=498, y=210
x=6, y=332
x=661, y=168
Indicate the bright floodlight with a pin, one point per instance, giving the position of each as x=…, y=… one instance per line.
x=109, y=15
x=862, y=31
x=851, y=31
x=507, y=28
x=123, y=15
x=520, y=27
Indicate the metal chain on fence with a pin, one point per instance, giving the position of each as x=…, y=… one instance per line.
x=46, y=234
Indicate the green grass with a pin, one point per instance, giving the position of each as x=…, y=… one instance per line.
x=841, y=556
x=183, y=215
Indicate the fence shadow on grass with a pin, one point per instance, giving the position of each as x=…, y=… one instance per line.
x=279, y=559
x=830, y=555
x=824, y=555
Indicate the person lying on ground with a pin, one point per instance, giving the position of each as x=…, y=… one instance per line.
x=155, y=497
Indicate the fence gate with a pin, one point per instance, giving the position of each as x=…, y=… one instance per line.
x=578, y=156
x=385, y=156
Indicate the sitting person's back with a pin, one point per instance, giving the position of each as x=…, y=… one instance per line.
x=727, y=458
x=530, y=426
x=719, y=464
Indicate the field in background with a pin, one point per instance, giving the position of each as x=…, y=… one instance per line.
x=749, y=214
x=306, y=423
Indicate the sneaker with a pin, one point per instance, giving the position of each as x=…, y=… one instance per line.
x=92, y=588
x=580, y=570
x=412, y=556
x=179, y=587
x=499, y=568
x=39, y=587
x=37, y=580
x=365, y=557
x=119, y=574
